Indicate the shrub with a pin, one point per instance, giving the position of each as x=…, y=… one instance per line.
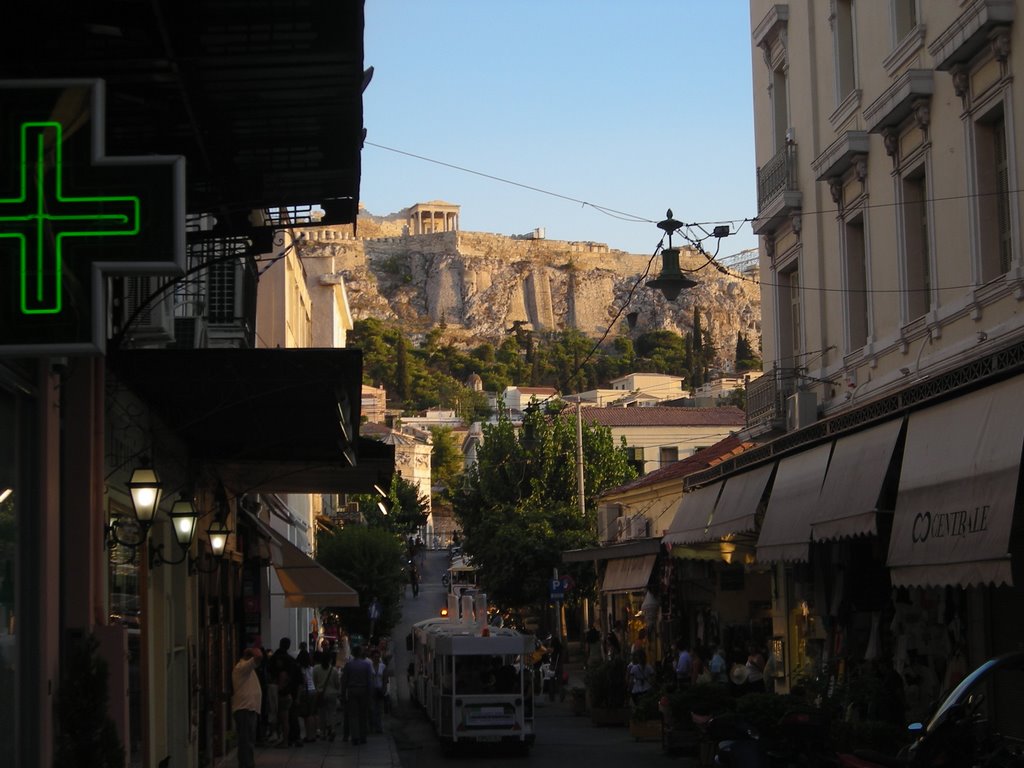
x=606, y=684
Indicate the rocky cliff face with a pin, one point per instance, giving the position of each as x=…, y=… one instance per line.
x=479, y=284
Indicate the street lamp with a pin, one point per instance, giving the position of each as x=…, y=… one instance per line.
x=183, y=517
x=145, y=488
x=218, y=533
x=671, y=280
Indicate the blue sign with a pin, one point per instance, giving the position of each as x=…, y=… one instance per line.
x=557, y=589
x=374, y=610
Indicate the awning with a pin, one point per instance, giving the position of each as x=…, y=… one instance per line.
x=786, y=529
x=690, y=524
x=304, y=582
x=629, y=574
x=958, y=486
x=645, y=546
x=269, y=420
x=737, y=506
x=848, y=504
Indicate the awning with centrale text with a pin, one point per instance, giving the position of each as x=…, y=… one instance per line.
x=958, y=487
x=849, y=502
x=304, y=582
x=629, y=574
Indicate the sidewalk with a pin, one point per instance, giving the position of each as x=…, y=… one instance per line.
x=379, y=751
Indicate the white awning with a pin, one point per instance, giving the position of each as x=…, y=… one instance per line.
x=736, y=509
x=693, y=514
x=630, y=574
x=786, y=530
x=304, y=582
x=958, y=486
x=848, y=504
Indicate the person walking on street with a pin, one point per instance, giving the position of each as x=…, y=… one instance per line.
x=414, y=579
x=246, y=704
x=356, y=679
x=378, y=690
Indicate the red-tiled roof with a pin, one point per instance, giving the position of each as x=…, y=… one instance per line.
x=701, y=460
x=660, y=416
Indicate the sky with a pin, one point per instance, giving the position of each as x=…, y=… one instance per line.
x=604, y=114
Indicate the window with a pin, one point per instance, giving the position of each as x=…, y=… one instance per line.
x=790, y=316
x=855, y=266
x=668, y=455
x=916, y=249
x=904, y=18
x=845, y=52
x=992, y=171
x=780, y=107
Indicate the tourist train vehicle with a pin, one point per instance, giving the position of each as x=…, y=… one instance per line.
x=470, y=678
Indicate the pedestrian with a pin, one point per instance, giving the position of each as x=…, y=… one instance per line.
x=612, y=646
x=356, y=679
x=246, y=704
x=327, y=681
x=639, y=675
x=683, y=667
x=593, y=645
x=557, y=662
x=281, y=673
x=378, y=690
x=307, y=699
x=718, y=667
x=414, y=579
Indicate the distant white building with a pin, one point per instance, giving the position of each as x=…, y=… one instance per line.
x=517, y=398
x=659, y=385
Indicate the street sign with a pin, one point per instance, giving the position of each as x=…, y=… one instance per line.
x=557, y=589
x=374, y=610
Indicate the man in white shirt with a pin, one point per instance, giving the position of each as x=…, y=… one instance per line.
x=683, y=663
x=246, y=703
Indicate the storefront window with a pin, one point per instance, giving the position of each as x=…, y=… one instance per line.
x=8, y=572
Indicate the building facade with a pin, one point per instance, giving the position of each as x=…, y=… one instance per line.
x=884, y=494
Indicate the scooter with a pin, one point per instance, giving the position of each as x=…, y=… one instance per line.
x=960, y=734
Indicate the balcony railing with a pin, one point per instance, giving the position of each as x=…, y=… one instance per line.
x=766, y=397
x=776, y=176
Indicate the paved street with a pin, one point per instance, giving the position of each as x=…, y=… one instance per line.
x=408, y=740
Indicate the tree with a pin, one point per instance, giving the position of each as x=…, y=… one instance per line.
x=746, y=358
x=370, y=561
x=518, y=507
x=407, y=509
x=403, y=379
x=446, y=464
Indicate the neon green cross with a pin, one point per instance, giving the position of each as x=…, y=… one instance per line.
x=27, y=219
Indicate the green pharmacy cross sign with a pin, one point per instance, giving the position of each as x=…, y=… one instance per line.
x=71, y=216
x=28, y=217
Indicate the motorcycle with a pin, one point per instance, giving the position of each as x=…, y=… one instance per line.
x=980, y=724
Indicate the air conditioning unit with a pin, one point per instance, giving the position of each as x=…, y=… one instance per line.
x=607, y=529
x=154, y=323
x=638, y=527
x=801, y=410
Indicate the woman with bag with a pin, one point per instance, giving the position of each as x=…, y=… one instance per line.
x=327, y=682
x=639, y=676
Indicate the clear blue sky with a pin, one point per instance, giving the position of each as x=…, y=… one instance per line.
x=634, y=106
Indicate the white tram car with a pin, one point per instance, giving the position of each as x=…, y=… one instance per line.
x=473, y=681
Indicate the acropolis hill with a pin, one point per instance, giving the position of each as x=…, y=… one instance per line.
x=418, y=267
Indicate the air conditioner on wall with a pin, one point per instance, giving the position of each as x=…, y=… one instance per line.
x=801, y=410
x=638, y=527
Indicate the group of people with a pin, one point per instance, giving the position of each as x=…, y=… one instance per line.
x=693, y=665
x=284, y=700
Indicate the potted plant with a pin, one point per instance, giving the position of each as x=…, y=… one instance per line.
x=606, y=693
x=687, y=710
x=645, y=719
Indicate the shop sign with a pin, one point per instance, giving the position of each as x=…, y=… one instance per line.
x=71, y=216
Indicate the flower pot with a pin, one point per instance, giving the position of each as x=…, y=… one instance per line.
x=645, y=730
